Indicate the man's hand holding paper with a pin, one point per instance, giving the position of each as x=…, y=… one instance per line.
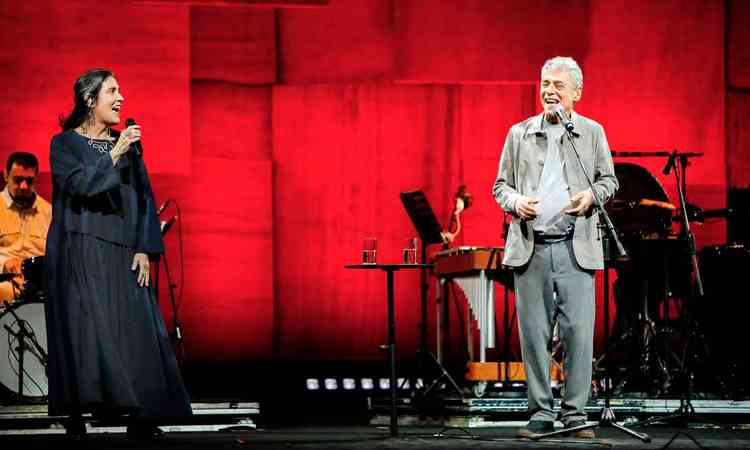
x=580, y=203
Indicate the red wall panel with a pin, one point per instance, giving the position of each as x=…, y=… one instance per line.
x=738, y=99
x=227, y=306
x=487, y=113
x=650, y=93
x=45, y=45
x=486, y=39
x=342, y=154
x=227, y=309
x=738, y=42
x=244, y=3
x=231, y=44
x=738, y=142
x=231, y=121
x=347, y=40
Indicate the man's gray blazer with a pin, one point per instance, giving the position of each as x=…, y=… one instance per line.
x=519, y=173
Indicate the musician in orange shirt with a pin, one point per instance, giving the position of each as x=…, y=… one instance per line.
x=24, y=220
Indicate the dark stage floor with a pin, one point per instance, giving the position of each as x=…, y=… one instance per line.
x=362, y=438
x=234, y=410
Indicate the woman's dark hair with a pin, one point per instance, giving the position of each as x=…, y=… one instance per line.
x=86, y=87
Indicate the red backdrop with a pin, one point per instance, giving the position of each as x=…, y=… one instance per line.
x=286, y=133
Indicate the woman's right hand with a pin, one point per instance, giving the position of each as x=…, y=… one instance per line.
x=127, y=137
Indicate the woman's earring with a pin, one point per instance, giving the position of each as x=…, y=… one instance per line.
x=91, y=116
x=88, y=122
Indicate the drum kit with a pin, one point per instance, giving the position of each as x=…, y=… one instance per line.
x=22, y=320
x=659, y=352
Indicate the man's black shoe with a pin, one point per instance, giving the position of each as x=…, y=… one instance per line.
x=536, y=428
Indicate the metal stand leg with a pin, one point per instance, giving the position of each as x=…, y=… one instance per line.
x=392, y=353
x=444, y=374
x=442, y=333
x=24, y=336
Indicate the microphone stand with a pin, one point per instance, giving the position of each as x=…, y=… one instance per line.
x=21, y=336
x=686, y=410
x=507, y=322
x=175, y=319
x=607, y=416
x=177, y=334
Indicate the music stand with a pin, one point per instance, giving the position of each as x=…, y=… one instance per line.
x=423, y=217
x=430, y=232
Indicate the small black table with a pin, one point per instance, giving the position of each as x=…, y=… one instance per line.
x=389, y=269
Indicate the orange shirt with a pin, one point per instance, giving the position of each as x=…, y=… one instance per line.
x=23, y=233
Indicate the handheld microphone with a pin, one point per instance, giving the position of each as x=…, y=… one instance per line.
x=137, y=147
x=670, y=163
x=560, y=113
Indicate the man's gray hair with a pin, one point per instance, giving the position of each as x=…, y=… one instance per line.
x=565, y=63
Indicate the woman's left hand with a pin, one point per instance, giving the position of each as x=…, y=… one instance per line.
x=141, y=264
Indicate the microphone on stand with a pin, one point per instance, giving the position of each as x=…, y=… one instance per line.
x=136, y=146
x=670, y=162
x=167, y=224
x=163, y=207
x=560, y=113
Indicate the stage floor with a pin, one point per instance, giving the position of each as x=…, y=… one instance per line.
x=373, y=437
x=485, y=423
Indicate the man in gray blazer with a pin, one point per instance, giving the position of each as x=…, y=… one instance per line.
x=554, y=244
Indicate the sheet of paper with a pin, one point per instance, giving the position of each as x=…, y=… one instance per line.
x=551, y=209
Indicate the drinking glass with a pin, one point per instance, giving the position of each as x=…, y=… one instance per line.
x=410, y=251
x=370, y=251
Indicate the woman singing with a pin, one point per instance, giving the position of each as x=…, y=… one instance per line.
x=109, y=351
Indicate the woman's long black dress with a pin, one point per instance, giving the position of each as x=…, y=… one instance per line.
x=109, y=351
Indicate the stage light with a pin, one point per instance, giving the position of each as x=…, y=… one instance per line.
x=364, y=384
x=348, y=384
x=367, y=384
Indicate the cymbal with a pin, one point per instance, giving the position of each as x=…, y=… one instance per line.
x=698, y=214
x=620, y=205
x=660, y=154
x=657, y=204
x=721, y=212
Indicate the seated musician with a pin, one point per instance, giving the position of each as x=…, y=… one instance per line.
x=24, y=220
